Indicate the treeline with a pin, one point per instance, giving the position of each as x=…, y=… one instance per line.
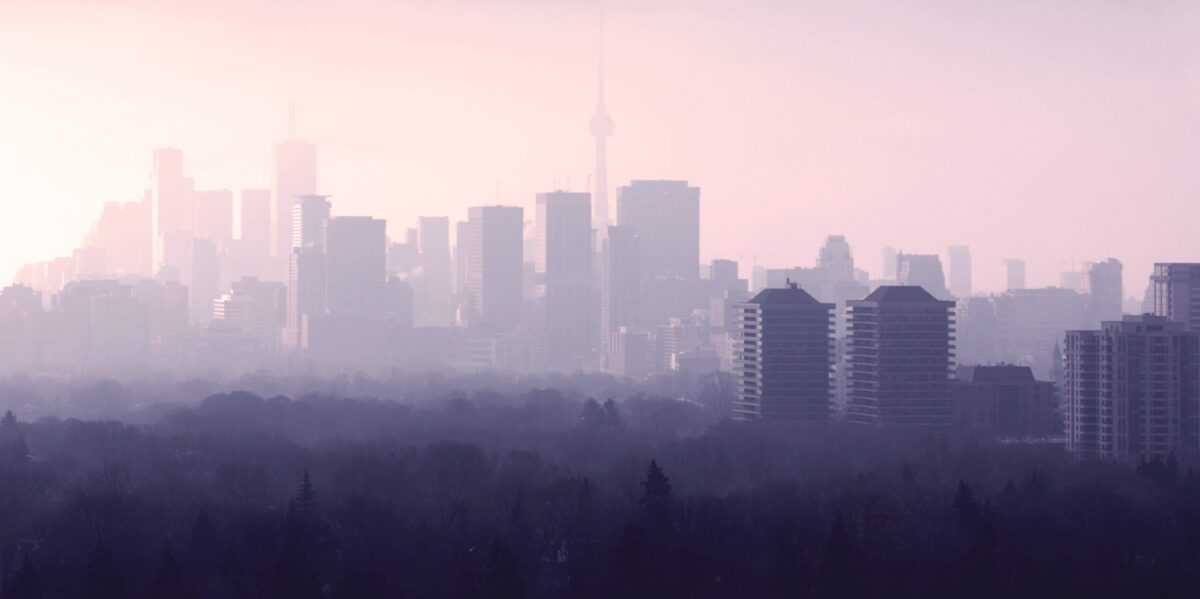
x=542, y=493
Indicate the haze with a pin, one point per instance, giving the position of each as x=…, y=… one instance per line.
x=1053, y=131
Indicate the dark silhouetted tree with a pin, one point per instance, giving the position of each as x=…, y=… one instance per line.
x=656, y=503
x=168, y=576
x=295, y=576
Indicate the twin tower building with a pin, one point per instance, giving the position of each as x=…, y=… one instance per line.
x=897, y=361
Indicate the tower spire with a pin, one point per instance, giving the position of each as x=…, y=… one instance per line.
x=602, y=129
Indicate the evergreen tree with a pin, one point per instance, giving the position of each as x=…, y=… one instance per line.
x=306, y=500
x=8, y=423
x=965, y=504
x=838, y=567
x=656, y=503
x=20, y=451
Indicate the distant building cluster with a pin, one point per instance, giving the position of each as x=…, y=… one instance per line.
x=196, y=280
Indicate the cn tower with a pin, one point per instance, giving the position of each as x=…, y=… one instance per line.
x=602, y=129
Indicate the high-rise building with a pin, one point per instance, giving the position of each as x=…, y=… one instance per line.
x=665, y=215
x=602, y=129
x=901, y=353
x=295, y=176
x=1176, y=292
x=922, y=270
x=355, y=265
x=888, y=271
x=960, y=271
x=495, y=268
x=431, y=290
x=306, y=265
x=563, y=265
x=1014, y=272
x=254, y=308
x=783, y=356
x=310, y=215
x=1133, y=389
x=836, y=259
x=170, y=203
x=620, y=286
x=205, y=280
x=1106, y=291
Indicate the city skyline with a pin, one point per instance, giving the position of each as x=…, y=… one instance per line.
x=377, y=168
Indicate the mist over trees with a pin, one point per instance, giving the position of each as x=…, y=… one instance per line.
x=502, y=487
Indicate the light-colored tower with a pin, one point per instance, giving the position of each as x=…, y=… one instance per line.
x=602, y=129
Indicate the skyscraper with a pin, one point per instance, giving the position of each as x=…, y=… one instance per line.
x=888, y=271
x=1177, y=293
x=922, y=270
x=665, y=215
x=1014, y=269
x=900, y=358
x=170, y=209
x=495, y=268
x=355, y=265
x=306, y=265
x=1133, y=389
x=432, y=289
x=783, y=357
x=1106, y=291
x=563, y=264
x=620, y=286
x=295, y=175
x=836, y=259
x=960, y=271
x=602, y=129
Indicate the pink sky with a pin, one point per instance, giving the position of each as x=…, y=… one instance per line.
x=1052, y=131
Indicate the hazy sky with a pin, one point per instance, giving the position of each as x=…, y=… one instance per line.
x=1048, y=130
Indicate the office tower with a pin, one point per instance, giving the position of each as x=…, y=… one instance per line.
x=1133, y=389
x=170, y=209
x=295, y=176
x=432, y=289
x=836, y=259
x=900, y=359
x=461, y=235
x=205, y=280
x=167, y=305
x=1029, y=322
x=976, y=331
x=960, y=270
x=783, y=357
x=255, y=230
x=922, y=270
x=1107, y=291
x=1005, y=401
x=665, y=215
x=306, y=265
x=602, y=129
x=1176, y=293
x=310, y=214
x=724, y=270
x=889, y=255
x=495, y=268
x=563, y=266
x=100, y=324
x=355, y=264
x=1014, y=269
x=629, y=352
x=620, y=287
x=213, y=217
